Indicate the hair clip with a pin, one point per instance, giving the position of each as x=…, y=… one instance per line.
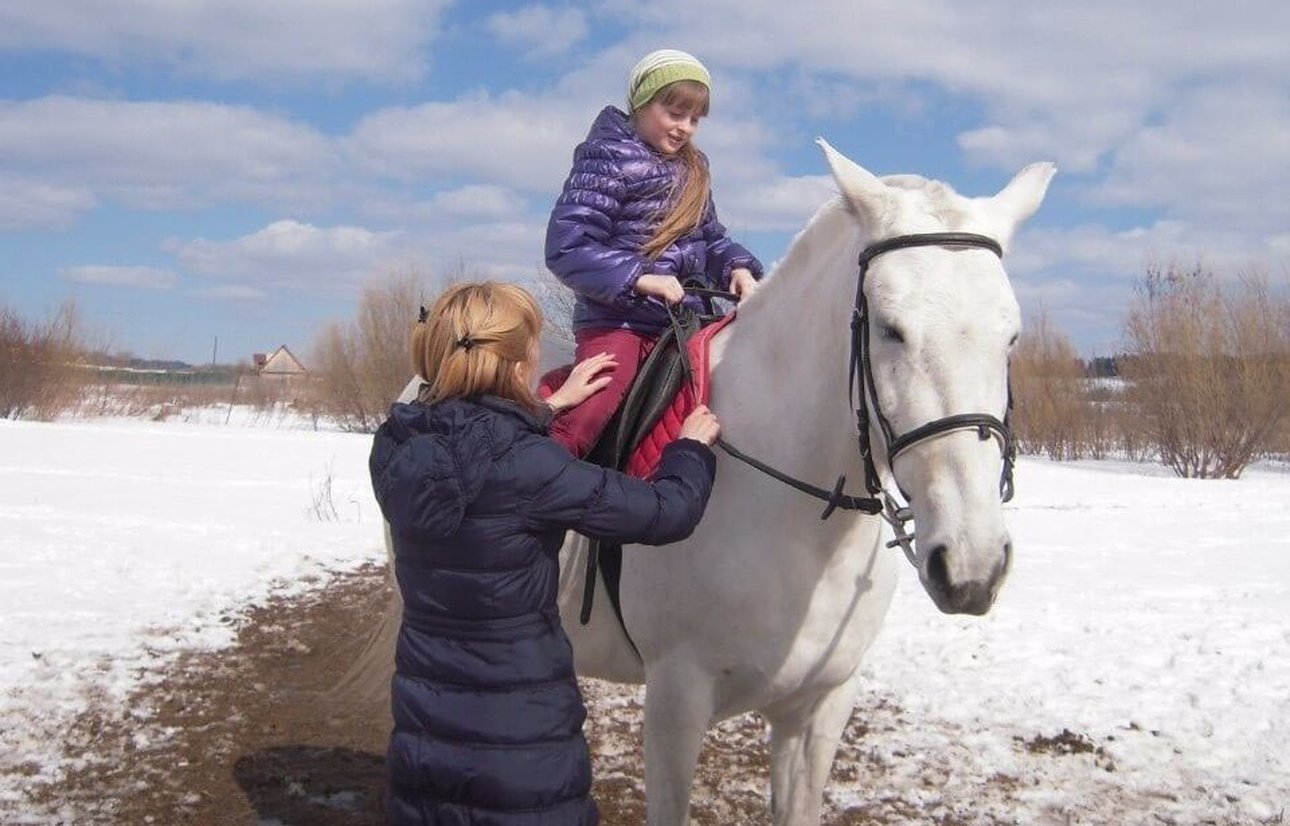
x=465, y=342
x=423, y=315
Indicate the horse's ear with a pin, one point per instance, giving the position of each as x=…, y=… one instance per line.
x=864, y=193
x=1024, y=193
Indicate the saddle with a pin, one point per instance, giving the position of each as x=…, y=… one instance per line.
x=669, y=385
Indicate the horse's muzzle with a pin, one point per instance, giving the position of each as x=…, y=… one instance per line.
x=972, y=596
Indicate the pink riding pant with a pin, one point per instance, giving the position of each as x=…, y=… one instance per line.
x=579, y=427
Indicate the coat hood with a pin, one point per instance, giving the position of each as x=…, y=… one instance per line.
x=613, y=124
x=429, y=463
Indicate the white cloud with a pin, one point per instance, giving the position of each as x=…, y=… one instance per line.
x=154, y=155
x=293, y=254
x=539, y=31
x=1221, y=155
x=235, y=39
x=153, y=278
x=784, y=204
x=513, y=140
x=1067, y=83
x=232, y=292
x=28, y=204
x=477, y=202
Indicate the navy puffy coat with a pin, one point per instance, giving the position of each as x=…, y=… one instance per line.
x=610, y=206
x=487, y=713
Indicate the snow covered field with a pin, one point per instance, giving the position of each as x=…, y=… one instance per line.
x=1147, y=615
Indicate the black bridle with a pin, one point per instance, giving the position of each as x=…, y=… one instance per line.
x=860, y=367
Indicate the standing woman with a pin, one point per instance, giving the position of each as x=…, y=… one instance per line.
x=487, y=713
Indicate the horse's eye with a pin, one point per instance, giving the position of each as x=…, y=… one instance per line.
x=1012, y=341
x=891, y=333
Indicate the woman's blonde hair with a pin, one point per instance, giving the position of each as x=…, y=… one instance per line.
x=689, y=200
x=472, y=340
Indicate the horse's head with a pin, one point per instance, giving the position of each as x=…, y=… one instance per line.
x=939, y=321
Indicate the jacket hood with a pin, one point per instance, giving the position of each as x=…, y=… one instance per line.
x=429, y=463
x=612, y=124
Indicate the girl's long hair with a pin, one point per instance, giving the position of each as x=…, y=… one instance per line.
x=472, y=341
x=688, y=201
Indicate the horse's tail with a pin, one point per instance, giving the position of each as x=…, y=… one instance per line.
x=364, y=688
x=601, y=648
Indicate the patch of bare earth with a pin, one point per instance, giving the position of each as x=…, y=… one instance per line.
x=249, y=736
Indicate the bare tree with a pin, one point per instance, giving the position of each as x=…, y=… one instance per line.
x=1050, y=412
x=363, y=365
x=39, y=375
x=1209, y=367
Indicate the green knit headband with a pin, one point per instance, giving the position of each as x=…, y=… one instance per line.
x=658, y=69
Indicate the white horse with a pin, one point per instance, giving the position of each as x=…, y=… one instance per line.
x=767, y=607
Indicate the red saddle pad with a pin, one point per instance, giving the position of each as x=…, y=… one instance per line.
x=644, y=459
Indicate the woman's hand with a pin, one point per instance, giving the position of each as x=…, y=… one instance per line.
x=584, y=381
x=742, y=282
x=701, y=425
x=666, y=287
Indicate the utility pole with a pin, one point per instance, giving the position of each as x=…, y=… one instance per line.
x=214, y=351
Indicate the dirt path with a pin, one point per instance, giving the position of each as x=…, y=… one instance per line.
x=245, y=737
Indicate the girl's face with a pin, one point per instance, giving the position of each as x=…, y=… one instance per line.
x=666, y=128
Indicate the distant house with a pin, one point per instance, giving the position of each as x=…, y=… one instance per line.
x=281, y=363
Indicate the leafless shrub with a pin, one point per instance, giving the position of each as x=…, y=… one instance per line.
x=38, y=364
x=1051, y=415
x=363, y=365
x=322, y=508
x=1209, y=368
x=557, y=302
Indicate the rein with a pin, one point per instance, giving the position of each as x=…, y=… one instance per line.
x=833, y=499
x=861, y=366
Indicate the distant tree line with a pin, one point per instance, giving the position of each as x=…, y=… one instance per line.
x=1202, y=384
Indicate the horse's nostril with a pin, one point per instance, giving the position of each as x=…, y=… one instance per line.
x=938, y=571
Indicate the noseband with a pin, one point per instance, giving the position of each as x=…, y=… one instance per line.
x=867, y=407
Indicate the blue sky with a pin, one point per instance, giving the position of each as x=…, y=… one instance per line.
x=240, y=169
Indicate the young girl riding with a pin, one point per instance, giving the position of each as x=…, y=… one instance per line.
x=487, y=714
x=634, y=223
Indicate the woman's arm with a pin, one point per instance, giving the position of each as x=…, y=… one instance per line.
x=607, y=505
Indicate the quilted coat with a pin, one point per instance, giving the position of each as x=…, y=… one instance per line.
x=487, y=713
x=609, y=208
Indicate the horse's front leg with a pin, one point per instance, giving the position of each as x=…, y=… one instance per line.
x=678, y=709
x=804, y=739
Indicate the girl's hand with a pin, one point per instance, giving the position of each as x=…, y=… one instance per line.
x=666, y=287
x=583, y=382
x=701, y=425
x=742, y=282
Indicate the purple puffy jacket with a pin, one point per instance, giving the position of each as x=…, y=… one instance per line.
x=607, y=212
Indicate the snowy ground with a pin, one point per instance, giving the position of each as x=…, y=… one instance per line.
x=1144, y=626
x=122, y=541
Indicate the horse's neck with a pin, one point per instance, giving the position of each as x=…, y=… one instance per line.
x=781, y=384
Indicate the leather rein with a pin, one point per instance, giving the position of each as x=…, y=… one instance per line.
x=860, y=371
